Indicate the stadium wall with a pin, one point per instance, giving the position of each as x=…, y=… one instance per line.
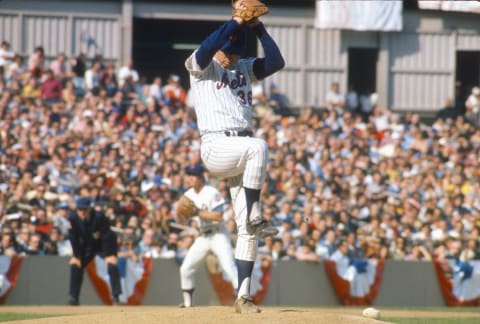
x=416, y=68
x=43, y=280
x=64, y=26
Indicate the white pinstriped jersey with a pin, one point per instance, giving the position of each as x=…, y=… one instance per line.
x=222, y=98
x=209, y=198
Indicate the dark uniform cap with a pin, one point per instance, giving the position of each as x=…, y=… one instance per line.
x=83, y=202
x=195, y=169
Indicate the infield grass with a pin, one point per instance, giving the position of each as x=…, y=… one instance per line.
x=5, y=317
x=437, y=320
x=433, y=319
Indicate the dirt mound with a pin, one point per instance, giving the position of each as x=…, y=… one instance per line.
x=202, y=314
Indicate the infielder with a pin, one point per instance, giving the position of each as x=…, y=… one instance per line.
x=213, y=237
x=221, y=90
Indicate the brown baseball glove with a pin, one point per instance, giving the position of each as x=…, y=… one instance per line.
x=185, y=208
x=248, y=9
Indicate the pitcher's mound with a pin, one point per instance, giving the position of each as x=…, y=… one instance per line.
x=173, y=315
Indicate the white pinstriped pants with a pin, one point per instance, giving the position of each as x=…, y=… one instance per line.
x=231, y=156
x=242, y=161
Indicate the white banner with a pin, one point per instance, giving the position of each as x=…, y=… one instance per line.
x=359, y=15
x=466, y=280
x=467, y=6
x=5, y=263
x=130, y=274
x=360, y=273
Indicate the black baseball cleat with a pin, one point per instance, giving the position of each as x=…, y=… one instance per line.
x=72, y=301
x=116, y=301
x=261, y=227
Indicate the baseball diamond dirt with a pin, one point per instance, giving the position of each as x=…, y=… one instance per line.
x=215, y=314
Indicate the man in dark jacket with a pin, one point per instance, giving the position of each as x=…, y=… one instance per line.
x=90, y=234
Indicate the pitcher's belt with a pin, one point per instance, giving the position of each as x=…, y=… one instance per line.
x=244, y=133
x=229, y=133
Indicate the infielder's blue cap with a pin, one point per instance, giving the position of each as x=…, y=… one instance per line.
x=195, y=169
x=83, y=202
x=157, y=181
x=237, y=44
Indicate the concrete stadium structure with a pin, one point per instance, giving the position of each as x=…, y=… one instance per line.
x=412, y=70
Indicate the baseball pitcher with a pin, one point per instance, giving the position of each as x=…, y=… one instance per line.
x=220, y=79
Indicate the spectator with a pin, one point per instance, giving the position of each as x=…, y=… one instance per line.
x=51, y=89
x=36, y=62
x=367, y=103
x=127, y=72
x=108, y=80
x=79, y=68
x=127, y=248
x=35, y=246
x=156, y=91
x=418, y=252
x=92, y=78
x=146, y=247
x=16, y=69
x=59, y=67
x=31, y=89
x=169, y=247
x=8, y=245
x=472, y=106
x=351, y=99
x=278, y=101
x=175, y=93
x=326, y=246
x=259, y=98
x=6, y=57
x=306, y=253
x=340, y=256
x=448, y=112
x=23, y=239
x=335, y=100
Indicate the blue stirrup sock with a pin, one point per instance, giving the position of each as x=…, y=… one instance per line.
x=251, y=195
x=245, y=269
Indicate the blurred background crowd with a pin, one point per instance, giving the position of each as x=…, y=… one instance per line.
x=351, y=178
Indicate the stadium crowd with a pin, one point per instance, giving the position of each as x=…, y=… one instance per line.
x=369, y=185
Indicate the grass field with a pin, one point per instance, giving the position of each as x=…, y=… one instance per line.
x=8, y=316
x=430, y=320
x=437, y=320
x=434, y=319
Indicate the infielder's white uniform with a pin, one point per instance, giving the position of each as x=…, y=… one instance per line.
x=214, y=237
x=222, y=100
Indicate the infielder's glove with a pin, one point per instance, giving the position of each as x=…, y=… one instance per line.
x=186, y=208
x=248, y=9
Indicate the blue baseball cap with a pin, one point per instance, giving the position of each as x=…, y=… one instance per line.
x=237, y=44
x=83, y=202
x=195, y=169
x=157, y=181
